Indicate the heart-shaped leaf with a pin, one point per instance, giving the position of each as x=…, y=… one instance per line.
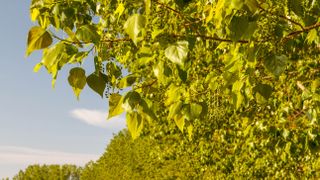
x=38, y=38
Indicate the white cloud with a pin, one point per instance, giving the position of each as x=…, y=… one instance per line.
x=24, y=155
x=99, y=118
x=14, y=158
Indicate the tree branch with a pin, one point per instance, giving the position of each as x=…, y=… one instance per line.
x=81, y=43
x=218, y=39
x=305, y=29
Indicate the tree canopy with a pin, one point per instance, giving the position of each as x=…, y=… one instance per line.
x=235, y=81
x=50, y=172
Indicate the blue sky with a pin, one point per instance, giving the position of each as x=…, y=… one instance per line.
x=39, y=124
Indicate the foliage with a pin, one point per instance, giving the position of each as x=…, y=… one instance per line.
x=239, y=78
x=123, y=159
x=127, y=159
x=50, y=172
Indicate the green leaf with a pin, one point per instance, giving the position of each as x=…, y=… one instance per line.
x=73, y=36
x=179, y=120
x=113, y=69
x=156, y=32
x=252, y=5
x=58, y=54
x=175, y=109
x=146, y=109
x=115, y=105
x=238, y=27
x=88, y=34
x=312, y=36
x=127, y=81
x=276, y=64
x=135, y=124
x=296, y=6
x=38, y=38
x=178, y=52
x=97, y=83
x=195, y=110
x=55, y=57
x=77, y=80
x=182, y=74
x=237, y=4
x=264, y=90
x=133, y=98
x=133, y=26
x=237, y=86
x=237, y=99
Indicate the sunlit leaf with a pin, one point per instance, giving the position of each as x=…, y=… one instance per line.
x=38, y=38
x=34, y=13
x=119, y=10
x=115, y=105
x=179, y=120
x=175, y=109
x=37, y=67
x=133, y=26
x=178, y=52
x=312, y=36
x=135, y=124
x=87, y=34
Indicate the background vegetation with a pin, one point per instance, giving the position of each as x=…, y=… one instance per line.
x=214, y=89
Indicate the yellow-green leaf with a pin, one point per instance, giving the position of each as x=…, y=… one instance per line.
x=178, y=52
x=312, y=36
x=88, y=34
x=37, y=67
x=195, y=110
x=77, y=80
x=133, y=26
x=148, y=6
x=135, y=124
x=179, y=120
x=38, y=38
x=115, y=105
x=119, y=10
x=34, y=13
x=175, y=109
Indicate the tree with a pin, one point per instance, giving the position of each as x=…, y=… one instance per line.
x=239, y=77
x=39, y=172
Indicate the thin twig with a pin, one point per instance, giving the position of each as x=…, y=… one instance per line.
x=218, y=39
x=81, y=43
x=167, y=7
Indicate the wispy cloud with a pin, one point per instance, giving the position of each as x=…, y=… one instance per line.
x=98, y=118
x=15, y=158
x=25, y=155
